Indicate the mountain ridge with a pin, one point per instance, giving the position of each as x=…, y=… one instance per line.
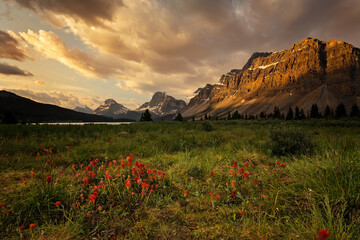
x=311, y=71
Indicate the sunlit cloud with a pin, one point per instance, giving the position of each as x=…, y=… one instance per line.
x=10, y=47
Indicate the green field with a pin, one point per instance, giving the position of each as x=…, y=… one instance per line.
x=292, y=179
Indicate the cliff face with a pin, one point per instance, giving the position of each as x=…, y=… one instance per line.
x=311, y=71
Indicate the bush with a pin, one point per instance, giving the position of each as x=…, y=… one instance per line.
x=289, y=142
x=206, y=126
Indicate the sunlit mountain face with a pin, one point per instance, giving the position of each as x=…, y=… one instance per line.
x=80, y=53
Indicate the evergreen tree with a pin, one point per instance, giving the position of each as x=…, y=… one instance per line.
x=178, y=117
x=201, y=119
x=290, y=114
x=355, y=111
x=9, y=118
x=209, y=117
x=297, y=113
x=302, y=114
x=229, y=116
x=263, y=115
x=206, y=118
x=328, y=113
x=340, y=111
x=146, y=116
x=236, y=115
x=193, y=118
x=314, y=112
x=277, y=112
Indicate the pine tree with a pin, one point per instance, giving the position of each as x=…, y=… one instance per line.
x=302, y=114
x=340, y=111
x=229, y=116
x=297, y=113
x=146, y=116
x=178, y=117
x=355, y=111
x=277, y=112
x=236, y=115
x=193, y=118
x=290, y=114
x=328, y=113
x=206, y=117
x=314, y=112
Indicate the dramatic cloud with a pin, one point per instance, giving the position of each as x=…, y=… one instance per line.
x=177, y=46
x=90, y=11
x=10, y=48
x=13, y=70
x=51, y=46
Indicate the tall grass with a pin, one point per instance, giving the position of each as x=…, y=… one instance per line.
x=279, y=196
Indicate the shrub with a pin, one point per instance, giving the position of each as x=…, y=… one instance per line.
x=289, y=142
x=206, y=126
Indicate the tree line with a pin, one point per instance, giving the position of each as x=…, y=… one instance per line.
x=295, y=114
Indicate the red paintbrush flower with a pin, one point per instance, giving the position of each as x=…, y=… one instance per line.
x=48, y=179
x=58, y=204
x=323, y=234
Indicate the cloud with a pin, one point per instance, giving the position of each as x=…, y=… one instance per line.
x=13, y=70
x=93, y=12
x=60, y=98
x=40, y=83
x=10, y=47
x=177, y=46
x=51, y=46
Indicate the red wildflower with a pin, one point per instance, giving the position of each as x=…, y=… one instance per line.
x=283, y=165
x=58, y=204
x=32, y=174
x=24, y=181
x=323, y=234
x=107, y=176
x=255, y=181
x=73, y=166
x=211, y=193
x=233, y=183
x=212, y=173
x=7, y=211
x=86, y=181
x=88, y=168
x=242, y=212
x=235, y=165
x=267, y=165
x=246, y=164
x=163, y=174
x=68, y=147
x=278, y=163
x=217, y=197
x=246, y=175
x=264, y=196
x=185, y=193
x=233, y=193
x=48, y=179
x=99, y=208
x=32, y=226
x=22, y=228
x=2, y=204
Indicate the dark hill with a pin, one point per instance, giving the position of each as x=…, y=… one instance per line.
x=30, y=111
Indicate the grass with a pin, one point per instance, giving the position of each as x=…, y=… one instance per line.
x=310, y=191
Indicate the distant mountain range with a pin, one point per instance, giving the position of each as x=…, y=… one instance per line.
x=161, y=106
x=310, y=72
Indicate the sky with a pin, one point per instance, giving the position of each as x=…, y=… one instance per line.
x=82, y=52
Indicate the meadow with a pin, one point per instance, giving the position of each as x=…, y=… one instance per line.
x=238, y=179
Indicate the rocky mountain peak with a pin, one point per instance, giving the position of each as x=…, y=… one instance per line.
x=162, y=104
x=311, y=71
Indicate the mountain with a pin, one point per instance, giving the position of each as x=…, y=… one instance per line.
x=85, y=109
x=311, y=71
x=30, y=111
x=162, y=105
x=110, y=108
